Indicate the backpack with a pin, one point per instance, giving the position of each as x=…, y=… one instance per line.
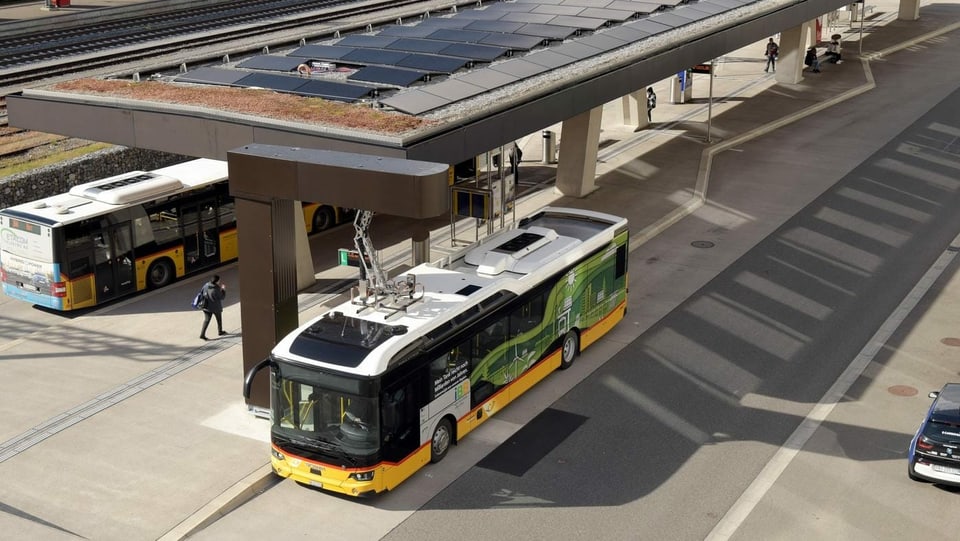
x=200, y=301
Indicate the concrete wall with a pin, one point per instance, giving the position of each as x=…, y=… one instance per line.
x=58, y=178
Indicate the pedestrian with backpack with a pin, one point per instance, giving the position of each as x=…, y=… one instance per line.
x=211, y=302
x=772, y=51
x=651, y=103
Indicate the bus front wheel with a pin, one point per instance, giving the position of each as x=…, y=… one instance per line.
x=440, y=444
x=160, y=273
x=571, y=346
x=323, y=219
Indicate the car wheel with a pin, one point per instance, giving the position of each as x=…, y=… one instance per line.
x=323, y=219
x=440, y=444
x=160, y=273
x=570, y=349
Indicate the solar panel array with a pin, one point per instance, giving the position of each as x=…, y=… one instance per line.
x=439, y=60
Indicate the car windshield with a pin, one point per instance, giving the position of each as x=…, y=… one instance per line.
x=942, y=432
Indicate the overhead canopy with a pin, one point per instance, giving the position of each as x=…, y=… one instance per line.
x=551, y=72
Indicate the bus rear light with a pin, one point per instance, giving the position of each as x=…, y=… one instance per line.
x=3, y=274
x=59, y=289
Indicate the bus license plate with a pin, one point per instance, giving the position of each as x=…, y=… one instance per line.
x=317, y=484
x=946, y=469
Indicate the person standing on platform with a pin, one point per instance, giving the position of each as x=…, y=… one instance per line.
x=651, y=103
x=771, y=53
x=213, y=294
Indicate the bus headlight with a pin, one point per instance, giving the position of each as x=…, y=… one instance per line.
x=277, y=454
x=362, y=476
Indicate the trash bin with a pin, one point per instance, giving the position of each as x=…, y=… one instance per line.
x=549, y=147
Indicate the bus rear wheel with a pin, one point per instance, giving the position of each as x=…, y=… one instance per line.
x=571, y=347
x=160, y=273
x=323, y=219
x=440, y=444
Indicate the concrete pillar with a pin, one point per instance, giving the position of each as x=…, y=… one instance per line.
x=421, y=245
x=634, y=107
x=792, y=48
x=909, y=10
x=267, y=283
x=577, y=163
x=305, y=272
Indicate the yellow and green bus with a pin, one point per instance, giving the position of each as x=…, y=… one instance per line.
x=366, y=394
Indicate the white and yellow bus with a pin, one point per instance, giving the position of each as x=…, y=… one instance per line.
x=127, y=233
x=368, y=393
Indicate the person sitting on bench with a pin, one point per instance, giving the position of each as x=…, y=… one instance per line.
x=833, y=50
x=811, y=59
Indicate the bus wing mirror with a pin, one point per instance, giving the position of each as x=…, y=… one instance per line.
x=248, y=381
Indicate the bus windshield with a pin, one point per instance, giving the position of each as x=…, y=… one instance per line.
x=324, y=416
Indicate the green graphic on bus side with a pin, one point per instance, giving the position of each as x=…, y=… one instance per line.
x=581, y=298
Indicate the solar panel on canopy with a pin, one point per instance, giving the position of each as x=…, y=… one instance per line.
x=617, y=15
x=671, y=18
x=583, y=23
x=459, y=36
x=547, y=31
x=494, y=26
x=215, y=76
x=358, y=40
x=433, y=63
x=540, y=1
x=374, y=56
x=480, y=53
x=725, y=4
x=389, y=76
x=518, y=17
x=418, y=45
x=577, y=50
x=479, y=14
x=602, y=41
x=487, y=78
x=335, y=91
x=446, y=22
x=557, y=9
x=670, y=3
x=271, y=63
x=415, y=102
x=650, y=25
x=454, y=90
x=549, y=59
x=282, y=83
x=321, y=52
x=629, y=33
x=519, y=68
x=512, y=6
x=514, y=42
x=638, y=7
x=418, y=31
x=705, y=7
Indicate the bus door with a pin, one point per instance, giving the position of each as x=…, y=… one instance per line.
x=113, y=257
x=201, y=237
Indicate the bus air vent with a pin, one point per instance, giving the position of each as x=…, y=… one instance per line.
x=128, y=188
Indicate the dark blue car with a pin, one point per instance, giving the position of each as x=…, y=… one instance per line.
x=934, y=452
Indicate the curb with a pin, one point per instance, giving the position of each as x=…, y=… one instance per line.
x=240, y=493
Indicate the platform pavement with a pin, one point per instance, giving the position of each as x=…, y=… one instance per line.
x=653, y=177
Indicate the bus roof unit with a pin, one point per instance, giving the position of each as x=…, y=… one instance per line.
x=105, y=195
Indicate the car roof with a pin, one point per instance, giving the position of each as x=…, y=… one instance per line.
x=946, y=409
